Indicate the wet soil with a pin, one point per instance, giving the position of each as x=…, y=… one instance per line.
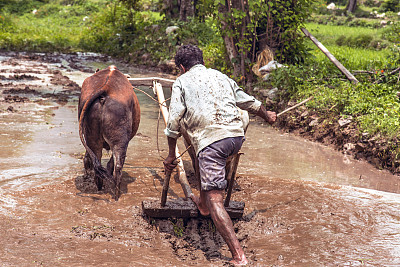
x=52, y=215
x=343, y=135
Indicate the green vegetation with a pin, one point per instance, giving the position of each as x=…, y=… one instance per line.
x=39, y=27
x=373, y=102
x=355, y=36
x=375, y=106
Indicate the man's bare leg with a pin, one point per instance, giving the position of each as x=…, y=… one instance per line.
x=224, y=225
x=201, y=203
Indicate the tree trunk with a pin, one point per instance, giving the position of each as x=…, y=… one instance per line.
x=186, y=9
x=351, y=6
x=229, y=42
x=171, y=8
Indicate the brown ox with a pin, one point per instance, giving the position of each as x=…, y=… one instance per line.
x=109, y=116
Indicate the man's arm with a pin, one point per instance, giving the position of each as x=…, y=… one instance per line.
x=268, y=116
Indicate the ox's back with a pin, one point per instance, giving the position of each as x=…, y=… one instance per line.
x=112, y=84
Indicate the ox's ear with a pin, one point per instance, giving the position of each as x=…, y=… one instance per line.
x=97, y=70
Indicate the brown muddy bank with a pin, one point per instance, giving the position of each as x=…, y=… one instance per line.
x=51, y=215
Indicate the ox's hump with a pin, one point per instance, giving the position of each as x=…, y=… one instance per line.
x=112, y=68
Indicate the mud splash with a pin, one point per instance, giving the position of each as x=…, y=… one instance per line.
x=302, y=207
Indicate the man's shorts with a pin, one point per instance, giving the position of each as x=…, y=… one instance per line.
x=212, y=162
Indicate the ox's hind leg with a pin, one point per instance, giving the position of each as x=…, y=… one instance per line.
x=89, y=171
x=118, y=158
x=97, y=150
x=87, y=163
x=110, y=166
x=98, y=180
x=94, y=140
x=117, y=131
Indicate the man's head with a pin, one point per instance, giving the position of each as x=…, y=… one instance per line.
x=188, y=56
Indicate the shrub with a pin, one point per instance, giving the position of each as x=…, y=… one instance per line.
x=5, y=23
x=390, y=5
x=19, y=7
x=362, y=40
x=341, y=40
x=392, y=32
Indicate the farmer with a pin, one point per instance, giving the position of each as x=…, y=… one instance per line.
x=206, y=101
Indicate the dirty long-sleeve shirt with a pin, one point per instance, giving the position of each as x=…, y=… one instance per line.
x=206, y=101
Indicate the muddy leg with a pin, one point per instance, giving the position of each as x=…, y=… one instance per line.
x=89, y=170
x=119, y=158
x=98, y=180
x=110, y=166
x=98, y=151
x=223, y=223
x=87, y=163
x=201, y=203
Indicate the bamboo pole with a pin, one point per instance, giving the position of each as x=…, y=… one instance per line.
x=149, y=81
x=157, y=87
x=295, y=106
x=330, y=56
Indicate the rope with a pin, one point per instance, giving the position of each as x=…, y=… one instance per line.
x=158, y=122
x=155, y=100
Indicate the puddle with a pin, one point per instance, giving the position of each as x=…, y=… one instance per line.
x=286, y=156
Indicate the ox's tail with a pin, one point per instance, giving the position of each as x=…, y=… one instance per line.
x=99, y=170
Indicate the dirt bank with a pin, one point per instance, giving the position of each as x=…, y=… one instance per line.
x=55, y=217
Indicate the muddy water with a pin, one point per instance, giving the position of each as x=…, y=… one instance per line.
x=306, y=204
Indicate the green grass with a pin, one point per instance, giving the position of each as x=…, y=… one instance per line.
x=30, y=37
x=54, y=27
x=35, y=34
x=327, y=34
x=354, y=58
x=350, y=53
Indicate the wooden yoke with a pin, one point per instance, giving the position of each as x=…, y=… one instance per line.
x=157, y=88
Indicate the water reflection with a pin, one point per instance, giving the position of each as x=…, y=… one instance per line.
x=290, y=157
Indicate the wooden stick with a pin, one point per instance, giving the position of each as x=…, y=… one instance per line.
x=151, y=78
x=157, y=87
x=295, y=106
x=330, y=56
x=165, y=188
x=145, y=81
x=232, y=174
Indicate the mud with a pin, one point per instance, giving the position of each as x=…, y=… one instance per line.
x=306, y=205
x=327, y=129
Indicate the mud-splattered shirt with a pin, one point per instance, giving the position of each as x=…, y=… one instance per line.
x=206, y=101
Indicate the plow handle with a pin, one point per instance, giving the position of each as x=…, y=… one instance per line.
x=165, y=188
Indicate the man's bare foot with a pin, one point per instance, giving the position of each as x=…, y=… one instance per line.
x=239, y=262
x=202, y=207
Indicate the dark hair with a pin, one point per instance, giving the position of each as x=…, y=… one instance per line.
x=188, y=56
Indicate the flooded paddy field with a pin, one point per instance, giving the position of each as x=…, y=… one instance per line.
x=306, y=205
